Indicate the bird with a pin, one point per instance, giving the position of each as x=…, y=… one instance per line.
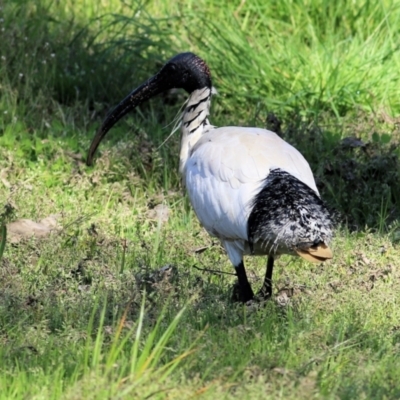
x=248, y=187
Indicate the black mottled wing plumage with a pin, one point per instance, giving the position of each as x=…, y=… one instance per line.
x=287, y=212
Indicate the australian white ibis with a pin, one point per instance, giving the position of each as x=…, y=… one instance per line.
x=248, y=187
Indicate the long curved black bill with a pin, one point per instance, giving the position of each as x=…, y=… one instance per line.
x=144, y=92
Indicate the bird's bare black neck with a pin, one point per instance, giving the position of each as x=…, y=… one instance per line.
x=197, y=110
x=194, y=123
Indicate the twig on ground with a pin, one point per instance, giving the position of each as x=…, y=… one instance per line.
x=213, y=271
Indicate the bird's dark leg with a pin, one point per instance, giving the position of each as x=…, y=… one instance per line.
x=242, y=291
x=266, y=290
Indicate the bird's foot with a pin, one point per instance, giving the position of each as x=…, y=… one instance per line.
x=241, y=296
x=264, y=294
x=250, y=299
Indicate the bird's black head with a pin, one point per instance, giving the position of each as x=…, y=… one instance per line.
x=186, y=71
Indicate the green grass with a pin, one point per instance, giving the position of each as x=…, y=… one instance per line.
x=85, y=312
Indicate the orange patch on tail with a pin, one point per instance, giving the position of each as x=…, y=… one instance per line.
x=316, y=254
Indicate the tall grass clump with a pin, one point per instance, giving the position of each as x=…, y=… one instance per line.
x=305, y=56
x=118, y=360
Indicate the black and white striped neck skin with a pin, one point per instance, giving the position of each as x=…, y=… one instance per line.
x=286, y=215
x=194, y=122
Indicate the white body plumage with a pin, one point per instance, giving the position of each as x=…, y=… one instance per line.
x=224, y=169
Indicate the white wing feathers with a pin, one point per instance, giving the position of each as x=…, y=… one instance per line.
x=225, y=170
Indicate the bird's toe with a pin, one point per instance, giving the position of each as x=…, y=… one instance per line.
x=238, y=296
x=264, y=294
